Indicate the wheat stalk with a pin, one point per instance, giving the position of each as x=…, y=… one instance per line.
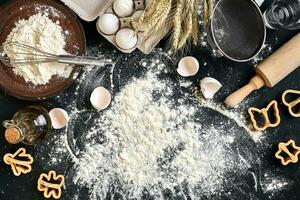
x=204, y=12
x=187, y=30
x=210, y=7
x=164, y=16
x=152, y=9
x=148, y=12
x=182, y=13
x=177, y=24
x=159, y=18
x=207, y=10
x=195, y=28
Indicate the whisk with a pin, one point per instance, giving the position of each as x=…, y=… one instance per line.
x=31, y=55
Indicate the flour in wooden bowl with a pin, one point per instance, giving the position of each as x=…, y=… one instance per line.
x=42, y=33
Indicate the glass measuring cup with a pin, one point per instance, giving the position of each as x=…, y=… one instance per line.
x=283, y=14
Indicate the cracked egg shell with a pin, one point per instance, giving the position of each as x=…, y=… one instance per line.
x=100, y=98
x=59, y=118
x=209, y=87
x=188, y=66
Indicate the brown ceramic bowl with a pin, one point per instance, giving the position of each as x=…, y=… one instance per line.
x=75, y=44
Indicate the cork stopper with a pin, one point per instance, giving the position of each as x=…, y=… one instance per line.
x=12, y=135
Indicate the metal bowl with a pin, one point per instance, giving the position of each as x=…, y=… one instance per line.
x=75, y=44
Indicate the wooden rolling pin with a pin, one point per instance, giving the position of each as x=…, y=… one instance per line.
x=271, y=71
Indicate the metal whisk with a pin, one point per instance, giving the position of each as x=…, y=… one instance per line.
x=31, y=55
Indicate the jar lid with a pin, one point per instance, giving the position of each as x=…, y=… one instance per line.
x=12, y=135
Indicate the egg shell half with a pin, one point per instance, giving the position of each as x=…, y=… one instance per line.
x=188, y=66
x=59, y=118
x=209, y=87
x=100, y=98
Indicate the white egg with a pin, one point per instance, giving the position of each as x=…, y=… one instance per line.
x=108, y=24
x=123, y=8
x=126, y=38
x=188, y=66
x=100, y=98
x=59, y=118
x=209, y=87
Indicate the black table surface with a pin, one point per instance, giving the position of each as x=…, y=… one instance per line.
x=22, y=188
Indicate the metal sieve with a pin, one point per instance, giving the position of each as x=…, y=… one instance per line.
x=236, y=29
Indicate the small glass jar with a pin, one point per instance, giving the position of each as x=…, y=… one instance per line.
x=30, y=125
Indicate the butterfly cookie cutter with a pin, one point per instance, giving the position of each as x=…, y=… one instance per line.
x=51, y=184
x=18, y=165
x=267, y=123
x=292, y=157
x=292, y=104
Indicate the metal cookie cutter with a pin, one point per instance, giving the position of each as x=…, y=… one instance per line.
x=292, y=157
x=17, y=164
x=51, y=184
x=293, y=104
x=264, y=112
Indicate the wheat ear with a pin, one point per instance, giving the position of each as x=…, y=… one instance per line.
x=177, y=23
x=195, y=36
x=210, y=7
x=187, y=32
x=155, y=11
x=164, y=16
x=163, y=7
x=150, y=9
x=204, y=12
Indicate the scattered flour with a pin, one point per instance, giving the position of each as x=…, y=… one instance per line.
x=267, y=49
x=240, y=119
x=42, y=33
x=273, y=184
x=150, y=143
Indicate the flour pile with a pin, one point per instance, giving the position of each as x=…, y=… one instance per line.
x=149, y=142
x=40, y=32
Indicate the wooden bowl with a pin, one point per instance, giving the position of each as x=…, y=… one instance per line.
x=75, y=44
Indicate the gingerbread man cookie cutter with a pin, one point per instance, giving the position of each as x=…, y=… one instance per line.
x=51, y=184
x=292, y=157
x=17, y=162
x=264, y=112
x=291, y=105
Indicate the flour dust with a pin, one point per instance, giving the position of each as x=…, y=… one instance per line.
x=156, y=141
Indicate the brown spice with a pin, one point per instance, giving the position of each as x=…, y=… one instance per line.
x=12, y=135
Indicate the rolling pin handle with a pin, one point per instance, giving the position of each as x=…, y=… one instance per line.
x=234, y=99
x=271, y=71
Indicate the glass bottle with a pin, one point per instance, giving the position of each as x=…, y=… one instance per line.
x=283, y=14
x=30, y=125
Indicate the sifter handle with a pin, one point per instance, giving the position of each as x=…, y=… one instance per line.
x=237, y=97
